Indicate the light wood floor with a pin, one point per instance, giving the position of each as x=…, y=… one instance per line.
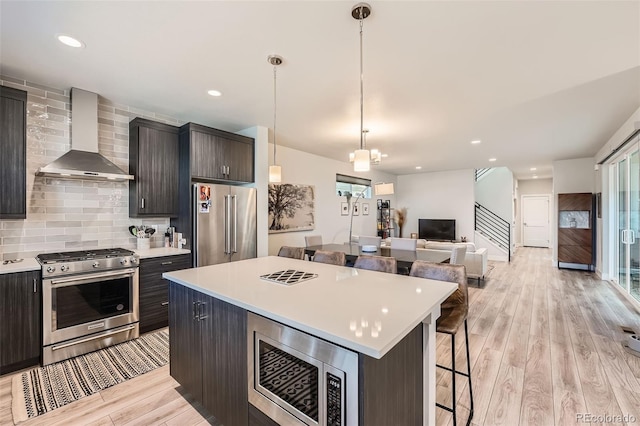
x=545, y=346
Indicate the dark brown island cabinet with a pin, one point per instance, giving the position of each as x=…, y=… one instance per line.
x=208, y=352
x=208, y=357
x=20, y=320
x=576, y=231
x=154, y=290
x=13, y=160
x=154, y=162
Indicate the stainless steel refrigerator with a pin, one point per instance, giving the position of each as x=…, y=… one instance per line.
x=224, y=223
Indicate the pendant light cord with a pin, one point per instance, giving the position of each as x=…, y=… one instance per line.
x=361, y=83
x=274, y=115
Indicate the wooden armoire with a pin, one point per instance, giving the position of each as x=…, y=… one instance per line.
x=576, y=231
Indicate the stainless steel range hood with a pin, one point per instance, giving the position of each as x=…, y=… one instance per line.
x=83, y=160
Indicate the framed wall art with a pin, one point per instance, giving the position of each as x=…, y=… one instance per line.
x=291, y=207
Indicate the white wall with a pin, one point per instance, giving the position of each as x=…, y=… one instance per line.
x=570, y=176
x=438, y=195
x=531, y=187
x=495, y=192
x=261, y=136
x=304, y=168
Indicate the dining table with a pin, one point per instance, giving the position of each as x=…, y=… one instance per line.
x=404, y=258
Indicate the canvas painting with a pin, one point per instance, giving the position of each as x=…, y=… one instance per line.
x=291, y=207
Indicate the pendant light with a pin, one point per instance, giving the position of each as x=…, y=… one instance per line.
x=362, y=156
x=275, y=171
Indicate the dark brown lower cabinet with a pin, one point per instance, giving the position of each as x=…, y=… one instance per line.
x=208, y=352
x=258, y=418
x=20, y=320
x=154, y=290
x=391, y=387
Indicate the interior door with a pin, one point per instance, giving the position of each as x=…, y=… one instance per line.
x=535, y=220
x=211, y=203
x=243, y=226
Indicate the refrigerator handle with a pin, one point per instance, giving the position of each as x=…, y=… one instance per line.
x=194, y=235
x=235, y=224
x=226, y=224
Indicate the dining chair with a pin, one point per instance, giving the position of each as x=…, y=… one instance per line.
x=453, y=313
x=458, y=254
x=376, y=263
x=292, y=252
x=370, y=241
x=313, y=240
x=331, y=257
x=404, y=243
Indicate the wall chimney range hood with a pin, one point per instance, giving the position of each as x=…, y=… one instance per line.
x=83, y=160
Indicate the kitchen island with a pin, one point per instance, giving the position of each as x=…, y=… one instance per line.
x=386, y=320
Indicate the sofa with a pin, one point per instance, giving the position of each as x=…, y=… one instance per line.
x=475, y=260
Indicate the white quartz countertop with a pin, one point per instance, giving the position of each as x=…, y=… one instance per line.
x=160, y=251
x=27, y=264
x=366, y=311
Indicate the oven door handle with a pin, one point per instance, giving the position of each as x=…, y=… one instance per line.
x=91, y=278
x=88, y=339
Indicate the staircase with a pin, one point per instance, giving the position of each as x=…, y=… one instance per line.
x=493, y=228
x=480, y=173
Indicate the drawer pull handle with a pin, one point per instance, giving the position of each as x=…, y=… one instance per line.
x=165, y=303
x=167, y=263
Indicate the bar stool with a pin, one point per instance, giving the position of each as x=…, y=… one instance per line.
x=292, y=252
x=376, y=263
x=453, y=314
x=330, y=257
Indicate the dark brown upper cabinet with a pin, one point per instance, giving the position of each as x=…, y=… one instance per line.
x=216, y=155
x=153, y=160
x=13, y=161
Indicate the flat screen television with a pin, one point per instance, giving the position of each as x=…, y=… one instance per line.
x=437, y=229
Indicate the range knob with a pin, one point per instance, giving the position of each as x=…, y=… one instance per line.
x=124, y=261
x=64, y=268
x=96, y=264
x=134, y=260
x=51, y=269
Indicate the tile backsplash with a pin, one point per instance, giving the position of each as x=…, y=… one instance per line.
x=65, y=214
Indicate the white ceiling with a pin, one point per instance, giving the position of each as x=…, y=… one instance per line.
x=535, y=81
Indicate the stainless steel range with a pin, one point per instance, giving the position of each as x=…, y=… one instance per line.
x=89, y=299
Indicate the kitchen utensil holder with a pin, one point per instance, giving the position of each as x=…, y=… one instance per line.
x=144, y=243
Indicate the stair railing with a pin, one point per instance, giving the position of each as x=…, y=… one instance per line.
x=493, y=227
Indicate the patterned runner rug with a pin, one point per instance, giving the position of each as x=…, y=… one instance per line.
x=43, y=389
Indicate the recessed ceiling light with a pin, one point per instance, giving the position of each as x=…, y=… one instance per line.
x=535, y=176
x=533, y=169
x=476, y=142
x=69, y=41
x=214, y=93
x=385, y=155
x=418, y=167
x=492, y=159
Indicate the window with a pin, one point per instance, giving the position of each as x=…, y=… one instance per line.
x=353, y=185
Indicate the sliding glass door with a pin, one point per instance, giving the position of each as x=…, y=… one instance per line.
x=628, y=221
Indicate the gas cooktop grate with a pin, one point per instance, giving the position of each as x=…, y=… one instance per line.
x=289, y=277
